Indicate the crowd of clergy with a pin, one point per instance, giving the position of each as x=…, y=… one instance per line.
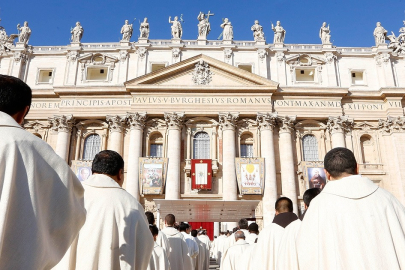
x=51, y=220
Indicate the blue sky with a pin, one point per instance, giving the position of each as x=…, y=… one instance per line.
x=351, y=22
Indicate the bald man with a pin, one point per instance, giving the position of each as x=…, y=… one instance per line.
x=265, y=253
x=232, y=257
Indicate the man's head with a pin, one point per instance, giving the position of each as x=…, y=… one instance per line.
x=150, y=217
x=84, y=173
x=243, y=224
x=154, y=230
x=316, y=173
x=339, y=162
x=170, y=220
x=239, y=235
x=234, y=229
x=110, y=163
x=194, y=233
x=309, y=194
x=283, y=205
x=183, y=227
x=15, y=97
x=253, y=228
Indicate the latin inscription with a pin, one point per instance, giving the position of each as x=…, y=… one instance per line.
x=201, y=100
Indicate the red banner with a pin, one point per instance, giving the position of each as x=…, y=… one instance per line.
x=201, y=174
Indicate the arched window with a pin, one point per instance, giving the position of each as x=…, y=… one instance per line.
x=201, y=145
x=367, y=149
x=246, y=145
x=156, y=145
x=91, y=147
x=310, y=148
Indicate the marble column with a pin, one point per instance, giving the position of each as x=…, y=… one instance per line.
x=216, y=229
x=116, y=124
x=174, y=122
x=266, y=123
x=337, y=126
x=63, y=125
x=228, y=124
x=136, y=122
x=287, y=159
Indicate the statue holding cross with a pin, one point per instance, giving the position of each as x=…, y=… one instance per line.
x=204, y=25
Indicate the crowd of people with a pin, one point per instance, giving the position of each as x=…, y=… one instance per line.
x=49, y=220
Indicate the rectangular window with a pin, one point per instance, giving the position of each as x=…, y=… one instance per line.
x=246, y=150
x=305, y=75
x=45, y=76
x=246, y=67
x=357, y=78
x=97, y=74
x=157, y=67
x=156, y=150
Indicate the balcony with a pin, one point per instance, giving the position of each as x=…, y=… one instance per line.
x=371, y=168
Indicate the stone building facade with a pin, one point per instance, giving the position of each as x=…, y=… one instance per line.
x=286, y=103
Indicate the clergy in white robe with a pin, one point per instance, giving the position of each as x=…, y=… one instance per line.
x=116, y=234
x=201, y=251
x=41, y=201
x=287, y=252
x=179, y=258
x=309, y=194
x=206, y=240
x=245, y=260
x=159, y=260
x=264, y=255
x=233, y=256
x=161, y=239
x=253, y=233
x=192, y=245
x=242, y=226
x=352, y=223
x=220, y=247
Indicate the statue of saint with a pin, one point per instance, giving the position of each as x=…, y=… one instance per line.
x=126, y=31
x=380, y=34
x=324, y=34
x=279, y=33
x=204, y=26
x=401, y=36
x=227, y=33
x=177, y=31
x=77, y=32
x=144, y=29
x=25, y=33
x=257, y=29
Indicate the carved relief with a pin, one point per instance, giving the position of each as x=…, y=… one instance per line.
x=176, y=53
x=174, y=120
x=382, y=58
x=392, y=124
x=228, y=54
x=280, y=57
x=286, y=123
x=123, y=56
x=340, y=124
x=228, y=120
x=72, y=56
x=202, y=74
x=20, y=57
x=116, y=122
x=266, y=120
x=136, y=120
x=262, y=54
x=61, y=123
x=6, y=42
x=142, y=52
x=330, y=57
x=246, y=124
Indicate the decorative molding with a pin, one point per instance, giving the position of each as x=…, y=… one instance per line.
x=123, y=56
x=20, y=56
x=202, y=74
x=228, y=120
x=34, y=125
x=228, y=54
x=330, y=58
x=61, y=123
x=246, y=124
x=116, y=123
x=340, y=124
x=266, y=121
x=280, y=57
x=72, y=56
x=174, y=120
x=392, y=124
x=176, y=53
x=286, y=123
x=141, y=52
x=136, y=120
x=262, y=54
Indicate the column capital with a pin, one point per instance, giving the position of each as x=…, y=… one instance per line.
x=136, y=120
x=228, y=120
x=266, y=121
x=392, y=124
x=339, y=124
x=62, y=123
x=115, y=122
x=174, y=120
x=286, y=123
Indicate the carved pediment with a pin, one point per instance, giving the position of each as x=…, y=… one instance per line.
x=305, y=60
x=199, y=72
x=97, y=59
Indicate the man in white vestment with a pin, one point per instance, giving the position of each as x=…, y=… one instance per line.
x=232, y=257
x=309, y=194
x=220, y=246
x=179, y=258
x=116, y=234
x=192, y=245
x=352, y=223
x=265, y=253
x=41, y=201
x=201, y=251
x=159, y=260
x=253, y=233
x=242, y=226
x=206, y=240
x=161, y=239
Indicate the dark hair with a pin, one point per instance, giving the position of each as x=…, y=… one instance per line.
x=154, y=230
x=150, y=217
x=253, y=227
x=309, y=194
x=183, y=227
x=15, y=95
x=107, y=162
x=340, y=160
x=235, y=229
x=243, y=224
x=283, y=205
x=170, y=219
x=194, y=233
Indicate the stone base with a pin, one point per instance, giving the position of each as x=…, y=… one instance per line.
x=202, y=41
x=75, y=44
x=327, y=45
x=124, y=43
x=260, y=42
x=143, y=40
x=278, y=45
x=227, y=41
x=176, y=40
x=20, y=45
x=382, y=46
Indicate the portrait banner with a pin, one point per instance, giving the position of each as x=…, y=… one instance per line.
x=314, y=175
x=82, y=169
x=152, y=175
x=250, y=175
x=201, y=174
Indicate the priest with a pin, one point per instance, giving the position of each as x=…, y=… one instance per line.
x=201, y=251
x=179, y=257
x=232, y=257
x=309, y=194
x=242, y=226
x=206, y=240
x=159, y=260
x=41, y=202
x=161, y=239
x=352, y=223
x=220, y=247
x=192, y=245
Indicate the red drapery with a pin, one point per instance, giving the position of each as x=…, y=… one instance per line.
x=209, y=226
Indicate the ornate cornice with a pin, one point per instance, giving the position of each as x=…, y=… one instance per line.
x=266, y=121
x=228, y=120
x=61, y=123
x=340, y=124
x=286, y=123
x=392, y=124
x=174, y=120
x=136, y=120
x=116, y=122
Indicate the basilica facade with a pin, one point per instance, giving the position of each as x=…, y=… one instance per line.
x=222, y=101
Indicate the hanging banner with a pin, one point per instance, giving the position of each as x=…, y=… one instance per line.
x=82, y=169
x=201, y=174
x=250, y=175
x=152, y=175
